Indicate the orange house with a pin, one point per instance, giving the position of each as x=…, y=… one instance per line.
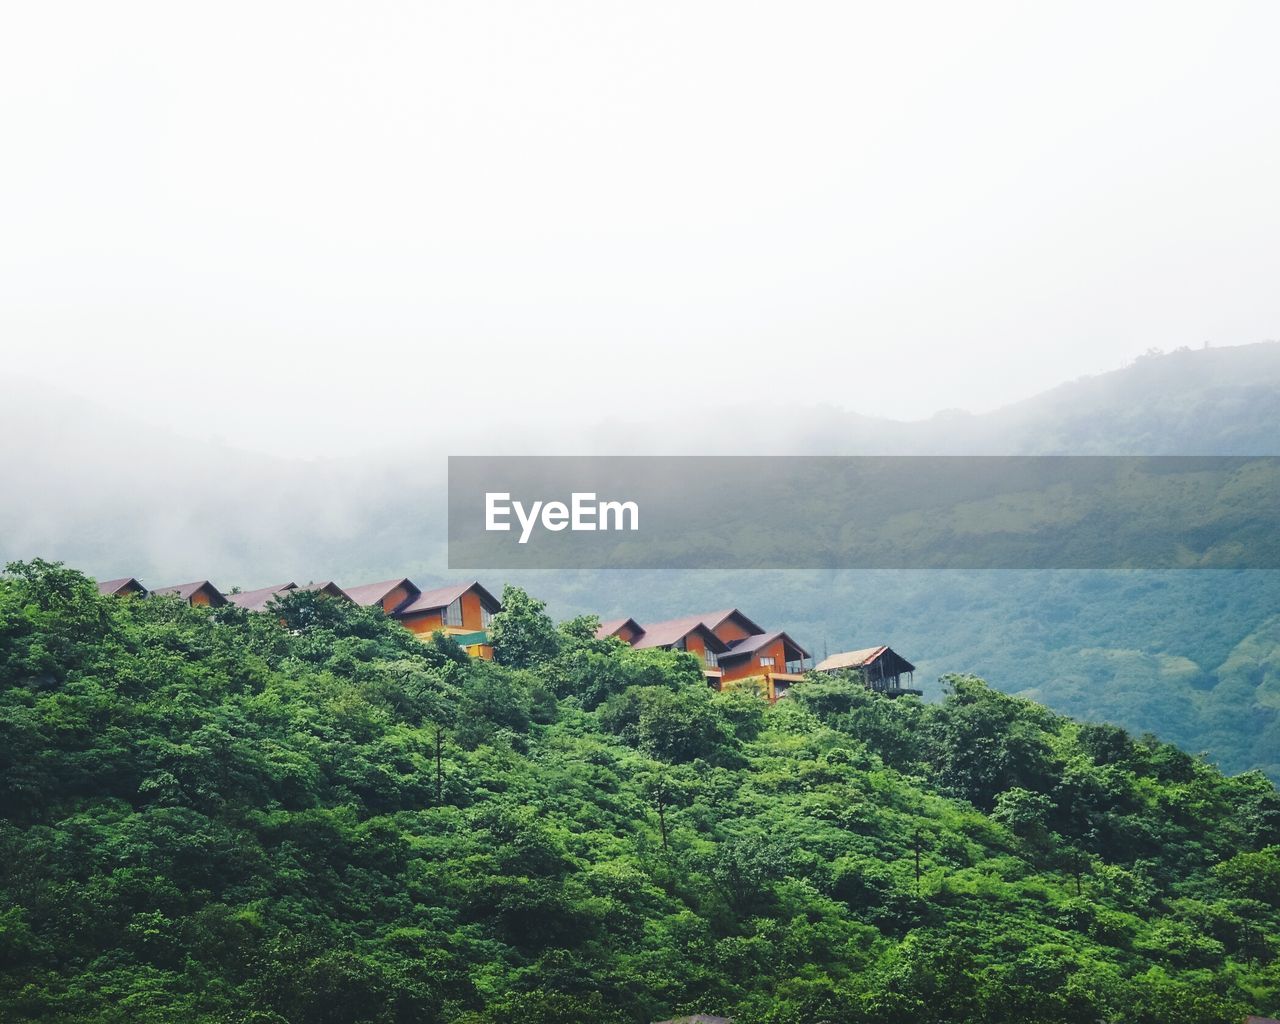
x=463, y=610
x=328, y=588
x=387, y=595
x=730, y=625
x=687, y=634
x=626, y=630
x=126, y=586
x=200, y=594
x=773, y=660
x=257, y=600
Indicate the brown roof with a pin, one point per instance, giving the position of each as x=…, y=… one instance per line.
x=187, y=591
x=714, y=620
x=664, y=634
x=442, y=597
x=124, y=583
x=257, y=600
x=860, y=659
x=327, y=587
x=615, y=626
x=850, y=659
x=369, y=594
x=749, y=645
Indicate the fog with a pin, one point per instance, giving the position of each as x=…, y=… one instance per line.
x=323, y=229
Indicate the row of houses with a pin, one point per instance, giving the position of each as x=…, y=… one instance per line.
x=733, y=648
x=462, y=610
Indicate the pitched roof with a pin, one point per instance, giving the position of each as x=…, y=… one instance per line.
x=861, y=659
x=187, y=591
x=664, y=634
x=615, y=626
x=327, y=587
x=751, y=644
x=442, y=597
x=122, y=584
x=369, y=594
x=714, y=620
x=257, y=600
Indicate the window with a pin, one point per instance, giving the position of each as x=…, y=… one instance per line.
x=711, y=659
x=453, y=614
x=486, y=617
x=766, y=663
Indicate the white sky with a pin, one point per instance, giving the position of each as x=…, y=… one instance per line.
x=381, y=215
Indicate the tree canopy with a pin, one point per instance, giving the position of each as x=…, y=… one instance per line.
x=313, y=816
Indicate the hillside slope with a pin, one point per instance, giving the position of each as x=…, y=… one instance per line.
x=1185, y=655
x=208, y=817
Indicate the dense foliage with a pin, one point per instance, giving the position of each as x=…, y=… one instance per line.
x=311, y=816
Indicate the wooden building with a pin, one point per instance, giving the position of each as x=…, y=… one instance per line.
x=200, y=594
x=125, y=586
x=771, y=660
x=882, y=668
x=626, y=630
x=328, y=588
x=463, y=610
x=387, y=595
x=734, y=648
x=257, y=600
x=686, y=634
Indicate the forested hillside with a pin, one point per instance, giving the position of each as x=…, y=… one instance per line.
x=1191, y=656
x=311, y=817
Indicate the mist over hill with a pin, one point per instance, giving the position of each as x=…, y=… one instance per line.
x=1191, y=656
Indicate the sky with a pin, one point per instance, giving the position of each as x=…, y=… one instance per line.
x=329, y=226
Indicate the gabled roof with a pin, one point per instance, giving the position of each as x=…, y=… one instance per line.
x=369, y=594
x=327, y=587
x=749, y=645
x=861, y=659
x=187, y=591
x=664, y=634
x=714, y=620
x=615, y=626
x=442, y=597
x=124, y=585
x=257, y=600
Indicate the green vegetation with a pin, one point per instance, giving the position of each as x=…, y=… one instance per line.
x=1190, y=655
x=310, y=816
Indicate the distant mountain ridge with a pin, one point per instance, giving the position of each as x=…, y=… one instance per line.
x=1191, y=656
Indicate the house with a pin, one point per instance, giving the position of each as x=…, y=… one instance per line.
x=773, y=660
x=735, y=648
x=257, y=600
x=626, y=630
x=882, y=669
x=126, y=586
x=200, y=594
x=729, y=625
x=328, y=588
x=387, y=595
x=463, y=610
x=686, y=634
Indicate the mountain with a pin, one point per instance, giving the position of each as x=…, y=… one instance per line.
x=311, y=817
x=1189, y=656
